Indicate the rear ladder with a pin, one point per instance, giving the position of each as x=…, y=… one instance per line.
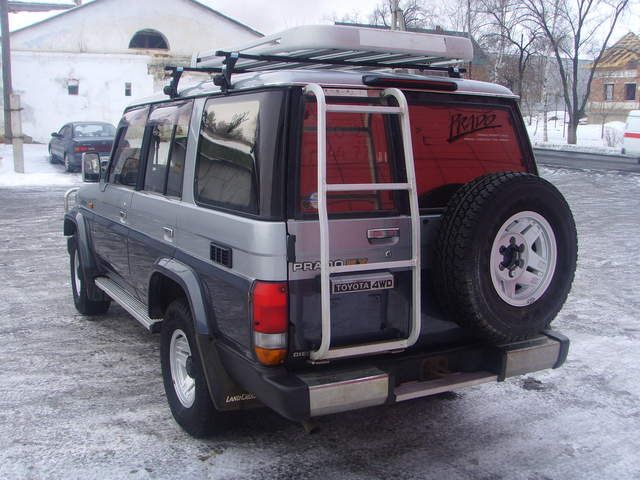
x=325, y=352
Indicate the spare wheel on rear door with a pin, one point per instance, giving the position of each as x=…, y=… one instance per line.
x=506, y=255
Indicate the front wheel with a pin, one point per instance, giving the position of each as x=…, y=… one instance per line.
x=182, y=373
x=81, y=299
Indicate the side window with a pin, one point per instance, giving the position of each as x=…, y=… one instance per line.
x=165, y=160
x=226, y=164
x=126, y=159
x=179, y=151
x=66, y=131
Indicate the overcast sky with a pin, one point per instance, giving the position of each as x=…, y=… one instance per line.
x=265, y=16
x=274, y=15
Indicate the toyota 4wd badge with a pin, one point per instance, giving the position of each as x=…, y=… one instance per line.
x=362, y=283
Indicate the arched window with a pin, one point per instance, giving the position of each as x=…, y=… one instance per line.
x=149, y=39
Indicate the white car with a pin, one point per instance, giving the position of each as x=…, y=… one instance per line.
x=631, y=142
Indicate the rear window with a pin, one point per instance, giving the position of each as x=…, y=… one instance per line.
x=453, y=143
x=93, y=130
x=357, y=152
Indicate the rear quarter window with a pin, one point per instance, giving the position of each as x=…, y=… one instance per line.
x=238, y=162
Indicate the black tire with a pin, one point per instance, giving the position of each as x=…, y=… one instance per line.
x=52, y=158
x=200, y=418
x=468, y=235
x=83, y=304
x=67, y=165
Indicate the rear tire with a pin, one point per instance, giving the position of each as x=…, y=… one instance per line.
x=507, y=251
x=81, y=300
x=183, y=376
x=67, y=164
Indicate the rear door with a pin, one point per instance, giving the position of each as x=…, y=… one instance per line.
x=455, y=139
x=110, y=224
x=153, y=215
x=365, y=227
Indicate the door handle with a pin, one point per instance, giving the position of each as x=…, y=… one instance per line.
x=383, y=235
x=168, y=232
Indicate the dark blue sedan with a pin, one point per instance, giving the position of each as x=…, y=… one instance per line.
x=67, y=145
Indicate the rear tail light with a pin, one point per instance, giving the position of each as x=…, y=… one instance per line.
x=270, y=321
x=81, y=148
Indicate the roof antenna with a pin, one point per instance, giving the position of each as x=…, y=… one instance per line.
x=223, y=80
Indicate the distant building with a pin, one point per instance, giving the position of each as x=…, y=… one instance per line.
x=89, y=62
x=614, y=91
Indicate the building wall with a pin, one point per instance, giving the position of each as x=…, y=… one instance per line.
x=41, y=80
x=107, y=26
x=600, y=108
x=90, y=45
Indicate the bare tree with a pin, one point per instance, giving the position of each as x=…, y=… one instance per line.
x=514, y=36
x=461, y=15
x=412, y=13
x=575, y=28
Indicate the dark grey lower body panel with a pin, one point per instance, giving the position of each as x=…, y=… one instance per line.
x=389, y=379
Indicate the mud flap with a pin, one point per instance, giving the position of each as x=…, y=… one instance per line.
x=225, y=393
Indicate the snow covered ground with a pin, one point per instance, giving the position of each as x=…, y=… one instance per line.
x=590, y=137
x=83, y=398
x=38, y=170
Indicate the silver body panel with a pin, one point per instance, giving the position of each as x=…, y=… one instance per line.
x=326, y=78
x=259, y=247
x=346, y=391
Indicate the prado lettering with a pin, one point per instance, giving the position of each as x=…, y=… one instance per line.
x=461, y=125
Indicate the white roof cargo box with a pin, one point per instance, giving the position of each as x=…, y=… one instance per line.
x=347, y=47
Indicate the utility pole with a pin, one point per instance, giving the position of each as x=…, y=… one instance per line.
x=12, y=108
x=7, y=89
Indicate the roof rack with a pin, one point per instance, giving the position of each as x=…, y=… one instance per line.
x=332, y=46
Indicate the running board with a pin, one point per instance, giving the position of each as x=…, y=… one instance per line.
x=127, y=301
x=452, y=381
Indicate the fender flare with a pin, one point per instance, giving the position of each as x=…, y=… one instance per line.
x=184, y=276
x=225, y=392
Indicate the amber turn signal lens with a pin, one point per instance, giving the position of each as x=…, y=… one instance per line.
x=267, y=356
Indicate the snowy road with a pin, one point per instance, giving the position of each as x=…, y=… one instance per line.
x=84, y=399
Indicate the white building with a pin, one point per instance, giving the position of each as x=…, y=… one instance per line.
x=89, y=62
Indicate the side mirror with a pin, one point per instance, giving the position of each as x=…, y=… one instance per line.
x=55, y=134
x=91, y=167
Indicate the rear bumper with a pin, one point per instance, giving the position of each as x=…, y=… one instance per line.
x=389, y=379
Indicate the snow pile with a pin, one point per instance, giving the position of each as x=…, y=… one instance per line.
x=38, y=170
x=592, y=138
